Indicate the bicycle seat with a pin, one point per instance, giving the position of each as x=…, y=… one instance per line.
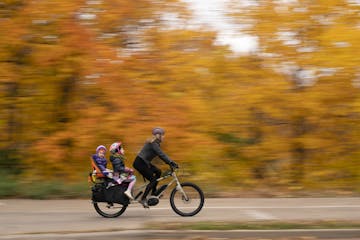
x=96, y=174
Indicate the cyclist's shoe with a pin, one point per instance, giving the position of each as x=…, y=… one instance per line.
x=144, y=203
x=128, y=194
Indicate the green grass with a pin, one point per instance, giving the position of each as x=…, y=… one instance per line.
x=273, y=225
x=8, y=186
x=11, y=186
x=53, y=189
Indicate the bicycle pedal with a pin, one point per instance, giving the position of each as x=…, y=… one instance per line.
x=145, y=206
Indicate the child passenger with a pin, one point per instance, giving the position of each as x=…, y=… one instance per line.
x=101, y=162
x=121, y=173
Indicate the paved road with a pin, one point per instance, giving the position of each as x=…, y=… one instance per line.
x=64, y=216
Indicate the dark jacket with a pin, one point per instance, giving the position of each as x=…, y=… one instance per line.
x=100, y=162
x=117, y=163
x=151, y=150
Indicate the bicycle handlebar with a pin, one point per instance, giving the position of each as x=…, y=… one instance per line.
x=172, y=168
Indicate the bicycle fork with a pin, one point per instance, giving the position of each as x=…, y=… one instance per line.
x=179, y=187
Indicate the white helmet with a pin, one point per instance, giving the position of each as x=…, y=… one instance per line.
x=115, y=147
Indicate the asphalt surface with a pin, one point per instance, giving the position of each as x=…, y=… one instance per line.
x=77, y=219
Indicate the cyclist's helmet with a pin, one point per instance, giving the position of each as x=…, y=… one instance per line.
x=100, y=147
x=158, y=130
x=115, y=147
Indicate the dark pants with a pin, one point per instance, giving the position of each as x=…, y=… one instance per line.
x=150, y=172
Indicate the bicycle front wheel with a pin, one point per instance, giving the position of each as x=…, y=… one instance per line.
x=109, y=210
x=187, y=201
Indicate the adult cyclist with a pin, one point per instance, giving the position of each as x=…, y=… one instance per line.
x=142, y=162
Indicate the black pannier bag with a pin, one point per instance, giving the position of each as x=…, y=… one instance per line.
x=98, y=192
x=113, y=194
x=116, y=194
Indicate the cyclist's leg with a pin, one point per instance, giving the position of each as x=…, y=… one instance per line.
x=150, y=186
x=156, y=175
x=142, y=168
x=146, y=172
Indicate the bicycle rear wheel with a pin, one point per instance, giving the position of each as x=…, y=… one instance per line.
x=109, y=210
x=188, y=204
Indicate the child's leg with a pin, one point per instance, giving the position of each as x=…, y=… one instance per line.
x=132, y=183
x=117, y=178
x=130, y=186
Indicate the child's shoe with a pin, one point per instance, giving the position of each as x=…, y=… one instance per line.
x=128, y=194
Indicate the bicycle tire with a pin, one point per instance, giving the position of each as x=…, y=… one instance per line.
x=99, y=209
x=194, y=193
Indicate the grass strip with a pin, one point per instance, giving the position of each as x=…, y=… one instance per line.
x=273, y=225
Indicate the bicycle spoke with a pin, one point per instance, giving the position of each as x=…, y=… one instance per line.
x=188, y=200
x=109, y=209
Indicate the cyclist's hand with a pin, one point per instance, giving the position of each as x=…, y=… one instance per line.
x=174, y=165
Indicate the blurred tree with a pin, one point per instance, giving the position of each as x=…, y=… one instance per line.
x=311, y=45
x=77, y=74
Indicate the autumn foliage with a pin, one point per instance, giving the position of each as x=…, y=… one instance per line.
x=77, y=74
